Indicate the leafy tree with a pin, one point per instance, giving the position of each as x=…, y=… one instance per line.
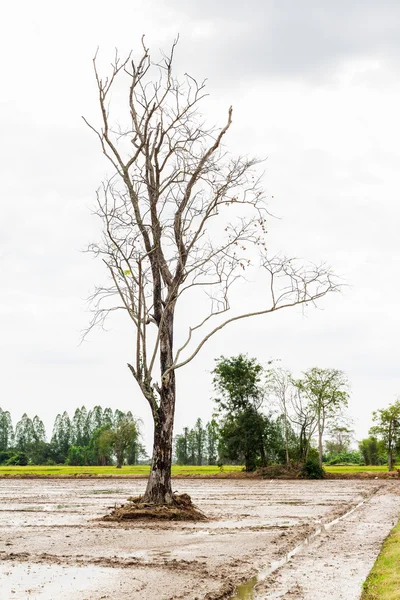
x=200, y=441
x=242, y=438
x=6, y=431
x=304, y=419
x=24, y=434
x=108, y=417
x=76, y=456
x=77, y=433
x=39, y=431
x=373, y=450
x=96, y=418
x=327, y=392
x=237, y=381
x=212, y=442
x=388, y=429
x=340, y=439
x=99, y=450
x=181, y=447
x=122, y=437
x=62, y=436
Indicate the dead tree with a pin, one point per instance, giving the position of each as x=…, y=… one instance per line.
x=179, y=215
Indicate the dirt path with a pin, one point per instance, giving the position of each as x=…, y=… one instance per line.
x=52, y=546
x=337, y=562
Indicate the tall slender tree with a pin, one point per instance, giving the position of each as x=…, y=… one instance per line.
x=327, y=391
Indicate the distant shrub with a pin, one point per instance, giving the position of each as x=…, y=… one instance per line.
x=344, y=458
x=18, y=459
x=5, y=455
x=311, y=469
x=76, y=456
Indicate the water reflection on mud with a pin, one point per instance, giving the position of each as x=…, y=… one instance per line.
x=247, y=591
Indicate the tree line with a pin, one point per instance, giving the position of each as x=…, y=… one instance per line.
x=91, y=437
x=263, y=416
x=266, y=416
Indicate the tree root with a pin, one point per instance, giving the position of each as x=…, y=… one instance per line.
x=180, y=509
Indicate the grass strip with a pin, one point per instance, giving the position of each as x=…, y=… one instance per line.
x=138, y=470
x=383, y=582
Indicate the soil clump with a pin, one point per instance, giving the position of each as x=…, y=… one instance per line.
x=180, y=509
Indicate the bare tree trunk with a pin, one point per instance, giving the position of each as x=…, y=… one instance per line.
x=159, y=489
x=320, y=451
x=286, y=441
x=390, y=459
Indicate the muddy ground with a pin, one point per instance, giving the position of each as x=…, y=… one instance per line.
x=53, y=546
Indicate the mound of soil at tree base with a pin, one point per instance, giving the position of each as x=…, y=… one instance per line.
x=180, y=509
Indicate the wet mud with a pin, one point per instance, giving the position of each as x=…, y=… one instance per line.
x=54, y=544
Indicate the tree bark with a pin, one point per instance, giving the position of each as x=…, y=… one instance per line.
x=390, y=460
x=159, y=488
x=286, y=441
x=320, y=450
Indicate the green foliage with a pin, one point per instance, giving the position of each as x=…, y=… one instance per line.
x=237, y=380
x=327, y=392
x=19, y=458
x=373, y=451
x=387, y=429
x=197, y=446
x=242, y=438
x=311, y=469
x=344, y=458
x=76, y=456
x=6, y=431
x=246, y=434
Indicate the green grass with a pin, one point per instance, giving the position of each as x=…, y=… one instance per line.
x=354, y=468
x=143, y=470
x=383, y=582
x=138, y=470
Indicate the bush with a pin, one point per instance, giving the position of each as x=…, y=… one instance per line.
x=311, y=469
x=76, y=456
x=19, y=459
x=344, y=458
x=5, y=455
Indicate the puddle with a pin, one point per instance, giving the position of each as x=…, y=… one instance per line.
x=247, y=591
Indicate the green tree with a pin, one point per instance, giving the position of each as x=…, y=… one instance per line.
x=61, y=438
x=212, y=442
x=76, y=456
x=373, y=451
x=6, y=431
x=39, y=431
x=181, y=447
x=96, y=418
x=99, y=449
x=24, y=434
x=238, y=383
x=388, y=429
x=122, y=437
x=200, y=441
x=243, y=437
x=340, y=438
x=327, y=391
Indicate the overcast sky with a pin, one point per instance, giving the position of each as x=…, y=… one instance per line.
x=315, y=89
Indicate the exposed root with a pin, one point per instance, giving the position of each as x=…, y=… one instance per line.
x=180, y=509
